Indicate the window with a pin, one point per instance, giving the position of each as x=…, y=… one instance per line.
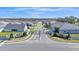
x=14, y=30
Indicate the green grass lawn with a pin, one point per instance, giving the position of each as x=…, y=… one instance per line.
x=32, y=28
x=8, y=33
x=62, y=40
x=22, y=38
x=73, y=34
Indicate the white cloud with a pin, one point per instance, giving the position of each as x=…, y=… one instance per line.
x=49, y=9
x=41, y=9
x=34, y=12
x=38, y=9
x=19, y=9
x=30, y=11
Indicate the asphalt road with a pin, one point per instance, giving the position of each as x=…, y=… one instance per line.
x=40, y=42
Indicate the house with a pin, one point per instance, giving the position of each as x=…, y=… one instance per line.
x=15, y=27
x=66, y=27
x=76, y=22
x=2, y=25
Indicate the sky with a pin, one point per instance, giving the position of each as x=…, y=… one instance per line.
x=38, y=12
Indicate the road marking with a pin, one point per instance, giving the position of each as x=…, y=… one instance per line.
x=2, y=43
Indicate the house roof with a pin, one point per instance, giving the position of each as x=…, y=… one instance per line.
x=15, y=26
x=65, y=26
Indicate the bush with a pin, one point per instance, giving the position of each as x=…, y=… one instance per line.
x=11, y=35
x=24, y=33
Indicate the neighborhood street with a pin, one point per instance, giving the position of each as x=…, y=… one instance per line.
x=40, y=42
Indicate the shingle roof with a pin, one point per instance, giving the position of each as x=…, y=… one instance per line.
x=65, y=26
x=15, y=26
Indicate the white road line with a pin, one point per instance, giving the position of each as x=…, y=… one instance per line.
x=2, y=43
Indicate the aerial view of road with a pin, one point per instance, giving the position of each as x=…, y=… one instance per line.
x=39, y=42
x=39, y=29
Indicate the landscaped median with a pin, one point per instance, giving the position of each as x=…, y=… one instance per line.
x=63, y=40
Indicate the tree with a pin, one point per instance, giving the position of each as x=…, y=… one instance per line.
x=60, y=19
x=56, y=30
x=11, y=35
x=49, y=23
x=24, y=33
x=28, y=27
x=68, y=36
x=46, y=25
x=70, y=19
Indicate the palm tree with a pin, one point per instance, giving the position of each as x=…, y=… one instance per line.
x=56, y=30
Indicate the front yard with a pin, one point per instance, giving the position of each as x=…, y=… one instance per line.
x=64, y=40
x=74, y=34
x=19, y=39
x=8, y=33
